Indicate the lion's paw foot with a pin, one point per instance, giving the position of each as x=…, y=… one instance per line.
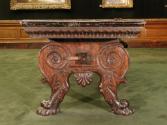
x=47, y=112
x=46, y=104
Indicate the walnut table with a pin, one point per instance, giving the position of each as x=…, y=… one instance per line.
x=82, y=47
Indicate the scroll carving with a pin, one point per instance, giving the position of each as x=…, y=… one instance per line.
x=113, y=61
x=56, y=56
x=58, y=61
x=53, y=66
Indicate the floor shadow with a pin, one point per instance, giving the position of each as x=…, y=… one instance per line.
x=89, y=94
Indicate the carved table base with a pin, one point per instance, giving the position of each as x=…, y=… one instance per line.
x=58, y=60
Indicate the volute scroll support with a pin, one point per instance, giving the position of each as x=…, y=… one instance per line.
x=113, y=61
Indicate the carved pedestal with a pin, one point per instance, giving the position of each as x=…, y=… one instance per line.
x=58, y=60
x=82, y=47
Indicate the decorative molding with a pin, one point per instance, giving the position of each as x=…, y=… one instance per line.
x=85, y=29
x=156, y=34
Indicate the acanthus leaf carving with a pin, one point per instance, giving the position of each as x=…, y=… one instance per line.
x=83, y=79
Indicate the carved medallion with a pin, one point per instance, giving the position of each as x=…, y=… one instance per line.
x=56, y=56
x=111, y=59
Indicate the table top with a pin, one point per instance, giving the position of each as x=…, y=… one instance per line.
x=86, y=28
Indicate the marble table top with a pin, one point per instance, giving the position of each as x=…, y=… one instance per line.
x=84, y=29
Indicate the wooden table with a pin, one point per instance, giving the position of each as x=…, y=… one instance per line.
x=81, y=47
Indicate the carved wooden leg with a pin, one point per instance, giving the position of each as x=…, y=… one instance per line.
x=54, y=67
x=109, y=91
x=113, y=64
x=59, y=87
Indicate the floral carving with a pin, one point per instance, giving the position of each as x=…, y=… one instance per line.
x=84, y=79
